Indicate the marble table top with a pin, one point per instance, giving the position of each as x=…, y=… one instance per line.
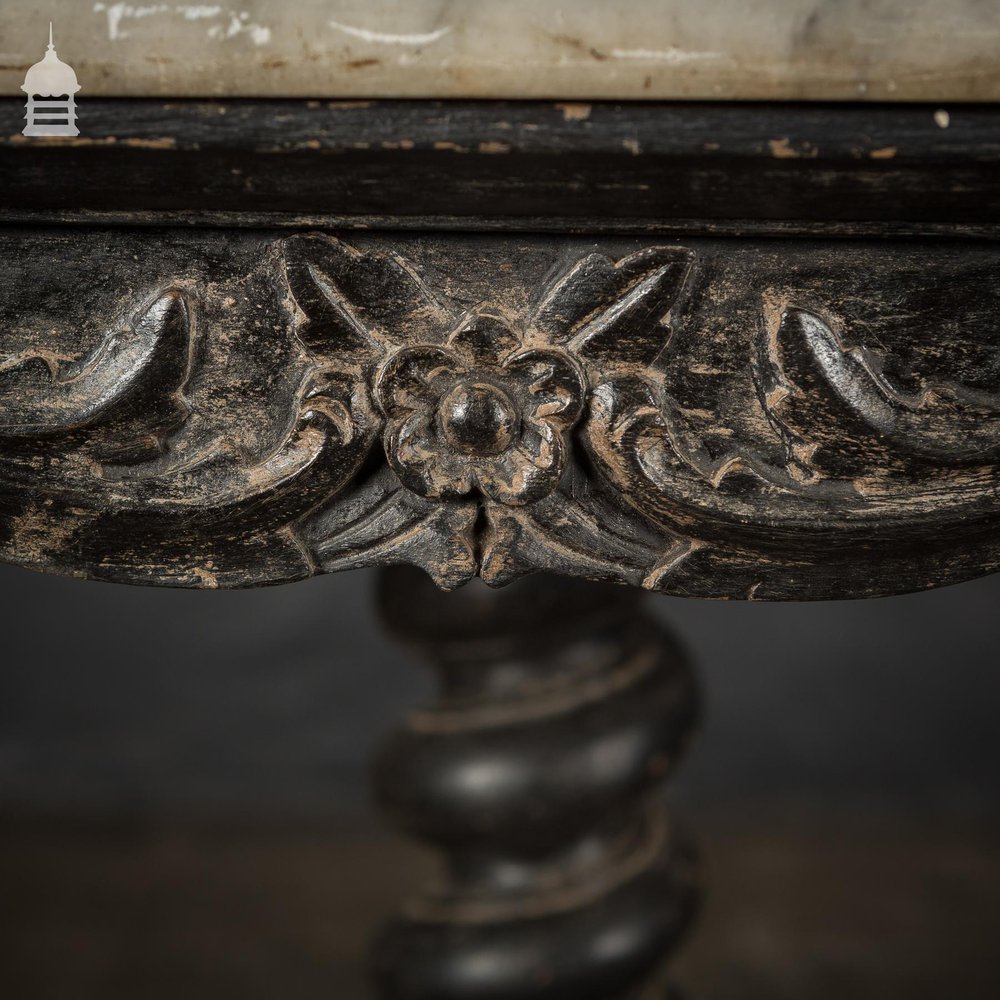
x=905, y=50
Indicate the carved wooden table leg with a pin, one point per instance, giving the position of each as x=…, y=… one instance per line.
x=562, y=707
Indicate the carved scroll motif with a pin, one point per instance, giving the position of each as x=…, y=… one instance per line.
x=471, y=437
x=942, y=420
x=41, y=394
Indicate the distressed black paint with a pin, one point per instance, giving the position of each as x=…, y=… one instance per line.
x=723, y=418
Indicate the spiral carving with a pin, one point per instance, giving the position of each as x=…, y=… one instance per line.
x=562, y=708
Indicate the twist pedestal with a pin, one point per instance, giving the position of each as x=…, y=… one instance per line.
x=537, y=773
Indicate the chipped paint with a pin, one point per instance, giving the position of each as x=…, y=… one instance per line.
x=164, y=142
x=782, y=149
x=575, y=111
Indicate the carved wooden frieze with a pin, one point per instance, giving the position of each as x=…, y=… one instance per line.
x=726, y=418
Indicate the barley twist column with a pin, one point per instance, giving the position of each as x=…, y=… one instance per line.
x=561, y=709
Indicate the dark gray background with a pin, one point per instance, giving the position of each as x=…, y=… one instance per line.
x=118, y=698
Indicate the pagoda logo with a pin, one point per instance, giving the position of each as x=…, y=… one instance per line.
x=50, y=86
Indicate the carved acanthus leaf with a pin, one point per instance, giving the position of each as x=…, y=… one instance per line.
x=943, y=420
x=612, y=311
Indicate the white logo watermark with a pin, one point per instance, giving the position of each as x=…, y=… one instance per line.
x=50, y=86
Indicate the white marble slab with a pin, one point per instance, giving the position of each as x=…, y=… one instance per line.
x=914, y=50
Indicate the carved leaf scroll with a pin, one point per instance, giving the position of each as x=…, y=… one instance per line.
x=41, y=394
x=943, y=420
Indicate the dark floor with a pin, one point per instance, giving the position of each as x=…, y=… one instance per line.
x=800, y=907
